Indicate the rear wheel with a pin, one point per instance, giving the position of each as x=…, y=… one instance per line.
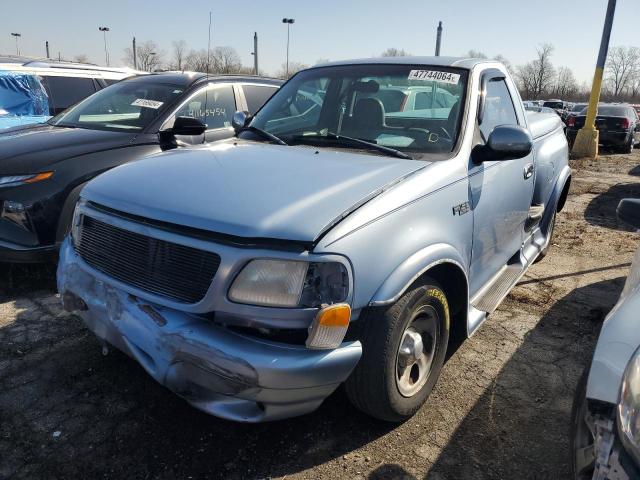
x=403, y=352
x=628, y=148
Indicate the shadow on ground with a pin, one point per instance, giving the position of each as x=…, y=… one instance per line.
x=18, y=279
x=601, y=210
x=535, y=387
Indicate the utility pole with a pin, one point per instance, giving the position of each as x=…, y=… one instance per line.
x=255, y=53
x=46, y=44
x=586, y=142
x=135, y=55
x=17, y=35
x=104, y=31
x=438, y=39
x=288, y=21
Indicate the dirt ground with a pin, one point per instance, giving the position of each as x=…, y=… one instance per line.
x=500, y=409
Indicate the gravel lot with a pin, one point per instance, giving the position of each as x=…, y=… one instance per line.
x=500, y=409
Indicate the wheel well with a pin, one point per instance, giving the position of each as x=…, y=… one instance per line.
x=454, y=283
x=564, y=194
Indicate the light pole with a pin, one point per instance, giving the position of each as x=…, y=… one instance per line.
x=104, y=31
x=288, y=21
x=17, y=35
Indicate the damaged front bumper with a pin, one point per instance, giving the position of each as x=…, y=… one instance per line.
x=217, y=370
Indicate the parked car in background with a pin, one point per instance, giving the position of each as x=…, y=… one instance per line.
x=574, y=110
x=558, y=106
x=43, y=167
x=605, y=434
x=539, y=109
x=64, y=83
x=636, y=107
x=618, y=125
x=334, y=244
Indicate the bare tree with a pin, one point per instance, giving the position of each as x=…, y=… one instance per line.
x=225, y=60
x=294, y=67
x=197, y=61
x=505, y=61
x=537, y=77
x=149, y=56
x=179, y=55
x=566, y=84
x=622, y=65
x=81, y=58
x=475, y=54
x=395, y=52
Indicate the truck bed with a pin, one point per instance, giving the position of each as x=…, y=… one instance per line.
x=541, y=124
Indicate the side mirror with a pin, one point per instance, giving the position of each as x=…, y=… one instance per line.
x=188, y=126
x=629, y=212
x=506, y=142
x=240, y=120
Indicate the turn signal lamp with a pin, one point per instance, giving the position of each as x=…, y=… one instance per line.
x=329, y=327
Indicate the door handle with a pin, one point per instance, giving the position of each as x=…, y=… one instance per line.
x=528, y=170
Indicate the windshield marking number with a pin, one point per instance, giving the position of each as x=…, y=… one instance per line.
x=143, y=102
x=434, y=75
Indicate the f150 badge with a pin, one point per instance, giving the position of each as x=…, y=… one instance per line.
x=461, y=209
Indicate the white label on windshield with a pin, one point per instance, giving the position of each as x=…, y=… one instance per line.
x=143, y=102
x=434, y=75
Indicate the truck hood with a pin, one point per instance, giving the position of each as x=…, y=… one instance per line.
x=32, y=148
x=249, y=189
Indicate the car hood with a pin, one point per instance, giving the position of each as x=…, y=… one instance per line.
x=31, y=148
x=249, y=189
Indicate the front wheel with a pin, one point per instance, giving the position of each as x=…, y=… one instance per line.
x=404, y=348
x=582, y=449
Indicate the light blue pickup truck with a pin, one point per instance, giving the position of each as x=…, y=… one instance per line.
x=341, y=237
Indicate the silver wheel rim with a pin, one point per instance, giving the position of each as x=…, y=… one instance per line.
x=416, y=351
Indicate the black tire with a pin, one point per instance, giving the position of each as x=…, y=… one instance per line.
x=628, y=148
x=373, y=385
x=545, y=250
x=580, y=434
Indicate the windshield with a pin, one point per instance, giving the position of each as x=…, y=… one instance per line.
x=553, y=104
x=412, y=109
x=578, y=108
x=612, y=111
x=124, y=106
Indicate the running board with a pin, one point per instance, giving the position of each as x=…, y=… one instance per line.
x=488, y=299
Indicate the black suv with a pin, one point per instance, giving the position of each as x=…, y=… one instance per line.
x=43, y=167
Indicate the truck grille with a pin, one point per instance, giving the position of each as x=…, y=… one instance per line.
x=177, y=272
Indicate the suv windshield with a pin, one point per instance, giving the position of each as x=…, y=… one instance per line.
x=124, y=106
x=412, y=109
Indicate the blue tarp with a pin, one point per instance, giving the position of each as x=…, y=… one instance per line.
x=22, y=94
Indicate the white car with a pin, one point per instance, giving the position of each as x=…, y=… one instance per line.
x=605, y=436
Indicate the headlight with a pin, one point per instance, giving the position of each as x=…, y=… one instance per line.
x=629, y=406
x=290, y=283
x=13, y=180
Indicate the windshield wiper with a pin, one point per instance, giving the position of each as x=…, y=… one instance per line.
x=264, y=134
x=372, y=146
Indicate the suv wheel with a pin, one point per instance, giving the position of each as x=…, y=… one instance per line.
x=403, y=352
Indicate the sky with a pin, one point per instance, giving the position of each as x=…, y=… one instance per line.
x=332, y=29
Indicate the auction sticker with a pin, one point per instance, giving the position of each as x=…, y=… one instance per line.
x=143, y=102
x=434, y=75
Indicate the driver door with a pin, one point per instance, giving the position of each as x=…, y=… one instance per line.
x=501, y=190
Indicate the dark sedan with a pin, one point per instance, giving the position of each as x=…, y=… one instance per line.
x=43, y=167
x=618, y=125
